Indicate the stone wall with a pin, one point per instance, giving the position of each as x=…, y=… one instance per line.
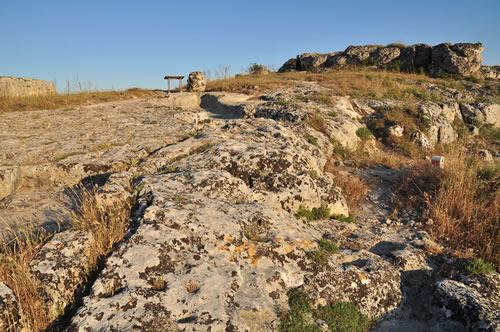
x=22, y=87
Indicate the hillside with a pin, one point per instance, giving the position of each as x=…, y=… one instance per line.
x=295, y=201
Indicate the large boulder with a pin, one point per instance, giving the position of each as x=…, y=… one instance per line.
x=289, y=65
x=311, y=61
x=196, y=82
x=463, y=58
x=479, y=113
x=23, y=87
x=490, y=72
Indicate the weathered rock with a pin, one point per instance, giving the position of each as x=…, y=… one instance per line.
x=196, y=82
x=396, y=131
x=384, y=56
x=310, y=61
x=289, y=65
x=480, y=113
x=454, y=302
x=419, y=138
x=61, y=267
x=23, y=87
x=463, y=58
x=489, y=72
x=440, y=129
x=9, y=309
x=362, y=278
x=484, y=155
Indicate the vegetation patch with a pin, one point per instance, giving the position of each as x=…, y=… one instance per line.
x=317, y=122
x=329, y=246
x=343, y=218
x=364, y=133
x=339, y=316
x=321, y=212
x=479, y=266
x=317, y=256
x=312, y=140
x=462, y=200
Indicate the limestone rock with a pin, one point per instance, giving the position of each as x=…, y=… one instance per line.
x=480, y=113
x=310, y=61
x=259, y=70
x=489, y=72
x=9, y=309
x=363, y=278
x=456, y=302
x=440, y=130
x=61, y=268
x=484, y=155
x=419, y=138
x=463, y=58
x=396, y=131
x=384, y=56
x=196, y=82
x=289, y=65
x=24, y=87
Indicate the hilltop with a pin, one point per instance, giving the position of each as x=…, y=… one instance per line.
x=292, y=201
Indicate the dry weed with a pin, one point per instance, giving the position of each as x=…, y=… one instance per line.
x=463, y=202
x=13, y=104
x=107, y=219
x=15, y=272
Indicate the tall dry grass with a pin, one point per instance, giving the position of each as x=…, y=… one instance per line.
x=15, y=272
x=13, y=104
x=355, y=81
x=463, y=200
x=106, y=219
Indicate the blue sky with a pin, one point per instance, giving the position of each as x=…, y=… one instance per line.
x=123, y=44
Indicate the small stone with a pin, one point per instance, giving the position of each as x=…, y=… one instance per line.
x=322, y=325
x=430, y=222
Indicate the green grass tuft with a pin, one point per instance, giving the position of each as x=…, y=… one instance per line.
x=479, y=266
x=317, y=256
x=316, y=213
x=329, y=246
x=343, y=218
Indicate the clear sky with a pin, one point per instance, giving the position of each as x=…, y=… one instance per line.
x=126, y=43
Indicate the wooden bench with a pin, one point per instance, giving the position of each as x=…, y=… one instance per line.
x=174, y=77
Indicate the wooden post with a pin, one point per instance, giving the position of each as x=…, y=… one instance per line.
x=169, y=85
x=180, y=84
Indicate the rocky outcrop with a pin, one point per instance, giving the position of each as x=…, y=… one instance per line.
x=461, y=59
x=196, y=82
x=25, y=87
x=479, y=113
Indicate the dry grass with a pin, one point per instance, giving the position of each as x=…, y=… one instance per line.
x=357, y=82
x=463, y=201
x=106, y=219
x=353, y=187
x=15, y=272
x=13, y=104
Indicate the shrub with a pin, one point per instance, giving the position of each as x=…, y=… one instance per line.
x=479, y=266
x=339, y=316
x=312, y=140
x=329, y=246
x=343, y=218
x=316, y=213
x=462, y=200
x=317, y=256
x=254, y=69
x=339, y=149
x=317, y=122
x=363, y=133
